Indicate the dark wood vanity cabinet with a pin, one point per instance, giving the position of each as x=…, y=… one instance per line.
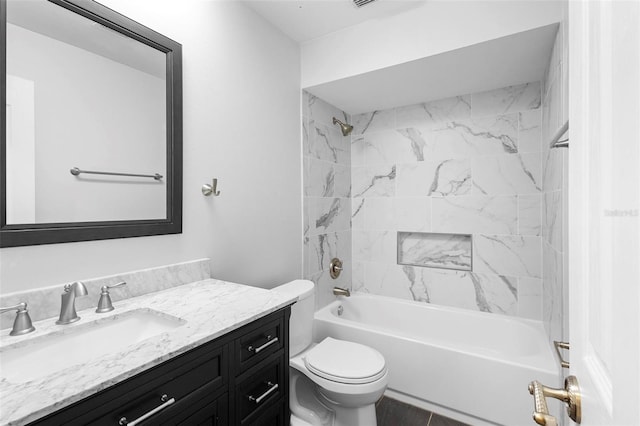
x=241, y=378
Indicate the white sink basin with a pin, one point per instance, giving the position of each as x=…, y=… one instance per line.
x=41, y=356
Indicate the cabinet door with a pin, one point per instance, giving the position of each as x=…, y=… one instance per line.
x=194, y=410
x=214, y=414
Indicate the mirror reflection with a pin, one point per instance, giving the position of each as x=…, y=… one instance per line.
x=81, y=95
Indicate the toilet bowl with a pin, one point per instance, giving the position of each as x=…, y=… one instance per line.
x=334, y=382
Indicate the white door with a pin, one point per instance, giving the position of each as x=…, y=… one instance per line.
x=604, y=203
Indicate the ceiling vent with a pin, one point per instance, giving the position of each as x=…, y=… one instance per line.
x=360, y=3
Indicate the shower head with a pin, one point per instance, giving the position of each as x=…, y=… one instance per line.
x=346, y=128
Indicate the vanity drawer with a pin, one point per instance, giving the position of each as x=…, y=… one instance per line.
x=258, y=343
x=275, y=415
x=202, y=368
x=259, y=390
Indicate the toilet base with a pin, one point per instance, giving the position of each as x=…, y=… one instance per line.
x=348, y=416
x=314, y=406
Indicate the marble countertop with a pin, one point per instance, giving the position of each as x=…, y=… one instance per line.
x=210, y=308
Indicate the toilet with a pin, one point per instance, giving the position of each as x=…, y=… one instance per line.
x=334, y=382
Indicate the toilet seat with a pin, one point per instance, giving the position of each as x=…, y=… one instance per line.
x=345, y=362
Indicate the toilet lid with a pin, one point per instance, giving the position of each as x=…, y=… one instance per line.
x=345, y=362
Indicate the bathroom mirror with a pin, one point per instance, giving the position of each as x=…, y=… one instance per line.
x=91, y=125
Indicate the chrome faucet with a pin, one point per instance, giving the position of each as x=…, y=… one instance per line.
x=337, y=291
x=22, y=323
x=68, y=308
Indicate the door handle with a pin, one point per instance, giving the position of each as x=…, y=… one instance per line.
x=569, y=395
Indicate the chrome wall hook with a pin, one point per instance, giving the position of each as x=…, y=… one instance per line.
x=208, y=190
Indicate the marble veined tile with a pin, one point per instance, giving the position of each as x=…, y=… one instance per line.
x=374, y=245
x=552, y=294
x=466, y=290
x=552, y=165
x=305, y=103
x=329, y=215
x=530, y=214
x=319, y=178
x=357, y=276
x=324, y=285
x=387, y=213
x=380, y=213
x=473, y=137
x=412, y=213
x=448, y=251
x=496, y=293
x=306, y=213
x=373, y=121
x=438, y=111
x=373, y=181
x=510, y=255
x=328, y=144
x=306, y=265
x=530, y=298
x=507, y=174
x=505, y=100
x=342, y=180
x=552, y=219
x=530, y=131
x=316, y=109
x=306, y=149
x=358, y=149
x=449, y=177
x=324, y=247
x=475, y=214
x=358, y=213
x=394, y=146
x=387, y=279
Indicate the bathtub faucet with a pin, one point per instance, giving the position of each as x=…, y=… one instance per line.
x=337, y=291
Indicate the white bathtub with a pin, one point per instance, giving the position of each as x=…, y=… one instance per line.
x=472, y=366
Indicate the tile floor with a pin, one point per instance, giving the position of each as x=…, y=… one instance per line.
x=391, y=412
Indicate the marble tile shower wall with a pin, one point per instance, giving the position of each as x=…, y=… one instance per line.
x=554, y=184
x=465, y=165
x=327, y=192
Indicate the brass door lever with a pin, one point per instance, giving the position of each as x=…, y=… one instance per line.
x=569, y=395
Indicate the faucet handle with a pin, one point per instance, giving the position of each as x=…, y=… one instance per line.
x=22, y=323
x=105, y=304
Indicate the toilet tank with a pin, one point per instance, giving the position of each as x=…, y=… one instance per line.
x=301, y=321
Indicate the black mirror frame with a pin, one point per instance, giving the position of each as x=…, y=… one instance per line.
x=15, y=235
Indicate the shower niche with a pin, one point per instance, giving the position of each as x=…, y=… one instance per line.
x=435, y=250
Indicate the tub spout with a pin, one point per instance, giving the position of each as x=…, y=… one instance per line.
x=337, y=291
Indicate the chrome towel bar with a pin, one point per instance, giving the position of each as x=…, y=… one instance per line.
x=76, y=171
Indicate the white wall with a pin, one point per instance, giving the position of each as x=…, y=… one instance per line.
x=434, y=28
x=241, y=103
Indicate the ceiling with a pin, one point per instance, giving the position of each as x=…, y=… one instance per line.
x=515, y=59
x=304, y=20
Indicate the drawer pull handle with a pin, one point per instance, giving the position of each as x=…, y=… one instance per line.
x=273, y=387
x=166, y=402
x=259, y=348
